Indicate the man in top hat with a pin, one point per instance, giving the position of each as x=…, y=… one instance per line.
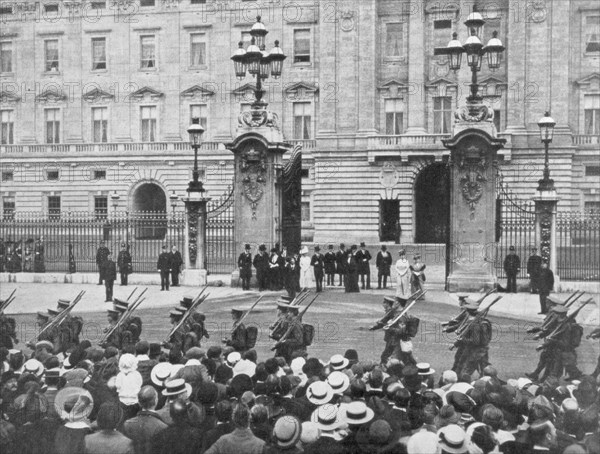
x=176, y=264
x=383, y=262
x=329, y=263
x=534, y=265
x=318, y=263
x=261, y=263
x=351, y=278
x=101, y=256
x=245, y=266
x=275, y=265
x=362, y=265
x=164, y=266
x=109, y=275
x=545, y=283
x=341, y=262
x=238, y=332
x=473, y=342
x=124, y=263
x=512, y=266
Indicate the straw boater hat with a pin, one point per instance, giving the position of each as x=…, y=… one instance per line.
x=233, y=358
x=175, y=313
x=327, y=417
x=44, y=344
x=425, y=369
x=160, y=373
x=356, y=413
x=338, y=381
x=319, y=393
x=33, y=366
x=287, y=431
x=338, y=362
x=452, y=439
x=73, y=403
x=177, y=386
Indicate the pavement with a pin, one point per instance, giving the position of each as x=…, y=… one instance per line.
x=33, y=297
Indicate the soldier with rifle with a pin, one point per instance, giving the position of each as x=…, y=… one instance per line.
x=595, y=335
x=70, y=328
x=242, y=338
x=390, y=306
x=8, y=325
x=183, y=322
x=177, y=335
x=288, y=334
x=114, y=338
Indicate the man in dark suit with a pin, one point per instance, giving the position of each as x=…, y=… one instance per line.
x=362, y=265
x=534, y=265
x=351, y=278
x=329, y=261
x=146, y=424
x=341, y=257
x=545, y=285
x=164, y=268
x=101, y=255
x=512, y=266
x=261, y=263
x=275, y=269
x=223, y=411
x=383, y=263
x=109, y=274
x=176, y=263
x=124, y=263
x=245, y=267
x=317, y=262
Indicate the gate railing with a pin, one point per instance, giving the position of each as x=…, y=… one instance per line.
x=220, y=244
x=73, y=238
x=578, y=245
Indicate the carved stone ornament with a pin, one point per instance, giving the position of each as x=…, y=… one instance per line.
x=193, y=216
x=388, y=177
x=546, y=232
x=473, y=166
x=347, y=21
x=253, y=165
x=474, y=113
x=255, y=118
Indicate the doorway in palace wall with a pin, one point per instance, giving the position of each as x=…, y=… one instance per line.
x=389, y=220
x=432, y=204
x=150, y=212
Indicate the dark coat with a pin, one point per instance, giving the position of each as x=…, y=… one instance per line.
x=340, y=260
x=180, y=439
x=124, y=262
x=214, y=434
x=102, y=255
x=238, y=338
x=362, y=261
x=317, y=261
x=245, y=265
x=142, y=428
x=512, y=264
x=384, y=263
x=534, y=265
x=176, y=260
x=106, y=441
x=329, y=261
x=164, y=262
x=546, y=280
x=109, y=270
x=261, y=262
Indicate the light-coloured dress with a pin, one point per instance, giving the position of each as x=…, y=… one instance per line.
x=403, y=274
x=305, y=272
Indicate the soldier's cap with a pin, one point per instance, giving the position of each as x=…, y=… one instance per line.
x=41, y=314
x=554, y=300
x=120, y=301
x=187, y=301
x=113, y=312
x=471, y=305
x=53, y=312
x=121, y=306
x=44, y=344
x=175, y=313
x=389, y=299
x=181, y=309
x=237, y=310
x=512, y=248
x=462, y=296
x=330, y=246
x=63, y=304
x=560, y=309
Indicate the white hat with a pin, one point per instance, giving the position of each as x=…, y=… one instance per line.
x=338, y=362
x=33, y=366
x=304, y=250
x=233, y=358
x=522, y=382
x=244, y=367
x=423, y=441
x=127, y=362
x=310, y=432
x=338, y=381
x=356, y=413
x=425, y=369
x=460, y=387
x=319, y=393
x=176, y=387
x=160, y=373
x=327, y=417
x=453, y=439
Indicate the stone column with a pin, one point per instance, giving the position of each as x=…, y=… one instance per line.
x=416, y=70
x=545, y=227
x=195, y=273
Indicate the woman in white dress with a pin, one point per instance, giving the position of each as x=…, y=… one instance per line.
x=305, y=269
x=403, y=275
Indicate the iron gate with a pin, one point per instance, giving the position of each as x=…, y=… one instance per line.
x=578, y=245
x=220, y=244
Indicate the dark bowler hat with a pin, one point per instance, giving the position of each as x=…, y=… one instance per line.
x=362, y=244
x=262, y=247
x=342, y=245
x=354, y=247
x=63, y=304
x=317, y=248
x=247, y=246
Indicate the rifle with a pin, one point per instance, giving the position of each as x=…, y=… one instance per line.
x=195, y=303
x=576, y=292
x=289, y=330
x=131, y=294
x=479, y=301
x=239, y=322
x=122, y=318
x=561, y=327
x=480, y=315
x=549, y=320
x=4, y=304
x=63, y=315
x=139, y=296
x=295, y=302
x=570, y=303
x=414, y=297
x=594, y=334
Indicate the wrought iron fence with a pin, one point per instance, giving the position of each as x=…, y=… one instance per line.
x=578, y=245
x=220, y=244
x=73, y=238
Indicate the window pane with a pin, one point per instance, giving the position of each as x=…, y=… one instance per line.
x=6, y=57
x=148, y=52
x=592, y=39
x=6, y=127
x=51, y=53
x=99, y=53
x=301, y=46
x=399, y=126
x=393, y=40
x=198, y=50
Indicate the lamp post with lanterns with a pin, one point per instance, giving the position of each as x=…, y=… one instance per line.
x=546, y=125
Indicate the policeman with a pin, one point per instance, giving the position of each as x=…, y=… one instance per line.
x=474, y=338
x=238, y=332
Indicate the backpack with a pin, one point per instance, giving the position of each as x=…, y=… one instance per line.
x=485, y=334
x=308, y=334
x=412, y=326
x=136, y=329
x=251, y=336
x=576, y=335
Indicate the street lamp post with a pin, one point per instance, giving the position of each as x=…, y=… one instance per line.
x=195, y=132
x=173, y=198
x=546, y=125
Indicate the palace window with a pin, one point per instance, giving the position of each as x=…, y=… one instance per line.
x=197, y=2
x=98, y=53
x=592, y=171
x=591, y=112
x=101, y=206
x=8, y=208
x=148, y=116
x=148, y=52
x=592, y=34
x=54, y=207
x=51, y=8
x=591, y=207
x=98, y=4
x=52, y=125
x=6, y=9
x=393, y=40
x=497, y=119
x=99, y=175
x=305, y=211
x=442, y=114
x=100, y=124
x=6, y=56
x=394, y=123
x=52, y=175
x=199, y=111
x=146, y=2
x=8, y=175
x=302, y=120
x=197, y=49
x=6, y=127
x=442, y=32
x=301, y=46
x=51, y=55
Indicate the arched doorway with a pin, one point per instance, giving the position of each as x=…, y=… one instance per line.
x=432, y=204
x=150, y=212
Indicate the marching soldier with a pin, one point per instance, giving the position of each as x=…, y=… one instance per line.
x=114, y=340
x=245, y=267
x=177, y=338
x=565, y=340
x=340, y=260
x=548, y=355
x=238, y=333
x=390, y=306
x=458, y=322
x=329, y=262
x=261, y=263
x=474, y=339
x=70, y=328
x=595, y=335
x=287, y=321
x=318, y=263
x=124, y=263
x=383, y=263
x=362, y=266
x=51, y=335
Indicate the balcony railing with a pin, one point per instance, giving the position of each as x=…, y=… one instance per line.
x=385, y=142
x=586, y=139
x=83, y=148
x=309, y=144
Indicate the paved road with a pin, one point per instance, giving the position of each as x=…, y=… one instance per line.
x=341, y=321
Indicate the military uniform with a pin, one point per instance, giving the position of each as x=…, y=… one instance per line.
x=124, y=264
x=294, y=341
x=534, y=265
x=564, y=342
x=318, y=263
x=398, y=335
x=245, y=266
x=176, y=340
x=454, y=325
x=549, y=354
x=475, y=342
x=238, y=334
